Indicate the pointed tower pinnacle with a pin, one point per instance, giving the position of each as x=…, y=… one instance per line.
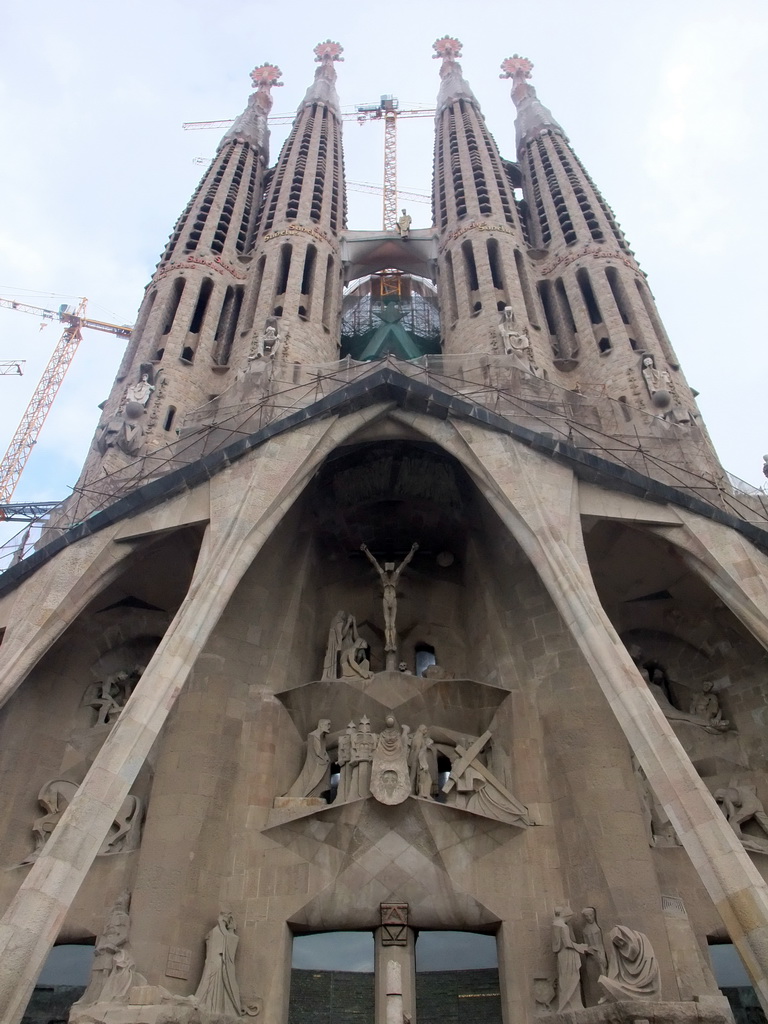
x=251, y=125
x=323, y=89
x=453, y=85
x=533, y=117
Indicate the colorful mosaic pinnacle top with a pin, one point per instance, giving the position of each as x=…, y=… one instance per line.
x=265, y=76
x=328, y=51
x=446, y=49
x=516, y=67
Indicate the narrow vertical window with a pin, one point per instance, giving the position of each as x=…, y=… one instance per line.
x=206, y=288
x=589, y=296
x=494, y=262
x=450, y=284
x=173, y=304
x=307, y=281
x=525, y=283
x=328, y=293
x=284, y=269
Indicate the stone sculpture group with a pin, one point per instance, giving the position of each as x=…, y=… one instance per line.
x=114, y=975
x=627, y=970
x=399, y=762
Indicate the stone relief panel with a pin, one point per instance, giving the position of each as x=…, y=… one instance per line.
x=55, y=796
x=395, y=761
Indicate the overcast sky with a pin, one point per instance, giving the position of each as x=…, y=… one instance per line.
x=663, y=100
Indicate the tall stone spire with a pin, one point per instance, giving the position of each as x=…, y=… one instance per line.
x=251, y=125
x=599, y=314
x=533, y=117
x=295, y=287
x=453, y=85
x=323, y=89
x=186, y=325
x=482, y=255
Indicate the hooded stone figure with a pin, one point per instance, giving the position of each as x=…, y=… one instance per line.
x=634, y=970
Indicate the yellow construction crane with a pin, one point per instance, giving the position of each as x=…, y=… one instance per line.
x=386, y=110
x=28, y=430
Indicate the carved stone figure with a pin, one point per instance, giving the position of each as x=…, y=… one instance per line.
x=516, y=342
x=111, y=697
x=404, y=224
x=363, y=746
x=267, y=344
x=218, y=991
x=121, y=978
x=141, y=391
x=353, y=662
x=343, y=757
x=314, y=775
x=478, y=790
x=596, y=963
x=420, y=758
x=567, y=951
x=658, y=382
x=108, y=945
x=634, y=970
x=342, y=634
x=390, y=780
x=741, y=804
x=543, y=994
x=389, y=576
x=659, y=829
x=706, y=704
x=673, y=714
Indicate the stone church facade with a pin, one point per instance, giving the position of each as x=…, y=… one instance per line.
x=402, y=593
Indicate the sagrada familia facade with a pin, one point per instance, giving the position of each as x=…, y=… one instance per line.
x=402, y=593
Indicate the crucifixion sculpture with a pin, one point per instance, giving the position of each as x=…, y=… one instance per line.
x=389, y=576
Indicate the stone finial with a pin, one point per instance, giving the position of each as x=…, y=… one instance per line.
x=446, y=49
x=327, y=52
x=516, y=67
x=533, y=118
x=265, y=77
x=323, y=89
x=519, y=70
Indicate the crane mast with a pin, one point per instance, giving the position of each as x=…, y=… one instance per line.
x=28, y=430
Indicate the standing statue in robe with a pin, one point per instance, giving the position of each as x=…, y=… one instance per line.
x=218, y=991
x=314, y=775
x=568, y=953
x=597, y=959
x=342, y=634
x=109, y=944
x=389, y=576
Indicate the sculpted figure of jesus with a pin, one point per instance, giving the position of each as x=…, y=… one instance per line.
x=389, y=576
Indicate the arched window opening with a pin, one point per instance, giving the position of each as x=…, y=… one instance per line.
x=188, y=355
x=227, y=325
x=605, y=346
x=588, y=295
x=470, y=266
x=307, y=281
x=206, y=288
x=173, y=304
x=424, y=656
x=169, y=417
x=450, y=284
x=525, y=282
x=494, y=262
x=328, y=293
x=284, y=271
